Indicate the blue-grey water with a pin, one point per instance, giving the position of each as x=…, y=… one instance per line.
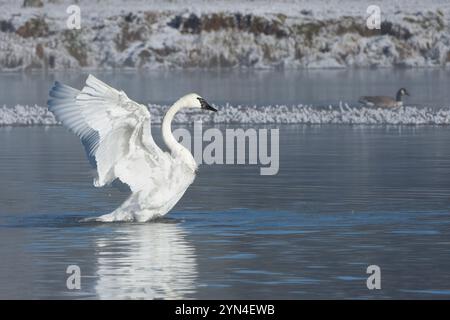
x=345, y=197
x=428, y=87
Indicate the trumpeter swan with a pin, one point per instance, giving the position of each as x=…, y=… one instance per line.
x=115, y=132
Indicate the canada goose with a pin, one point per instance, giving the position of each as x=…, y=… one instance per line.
x=384, y=102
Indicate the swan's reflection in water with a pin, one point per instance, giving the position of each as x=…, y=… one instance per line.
x=145, y=261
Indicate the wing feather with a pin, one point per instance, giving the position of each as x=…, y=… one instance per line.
x=112, y=128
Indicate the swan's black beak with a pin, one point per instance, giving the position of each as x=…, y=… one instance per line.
x=205, y=105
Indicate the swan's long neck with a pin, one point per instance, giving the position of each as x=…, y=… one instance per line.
x=168, y=137
x=176, y=148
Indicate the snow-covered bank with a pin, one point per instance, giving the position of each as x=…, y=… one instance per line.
x=209, y=34
x=299, y=114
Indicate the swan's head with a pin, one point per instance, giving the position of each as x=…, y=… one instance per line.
x=193, y=100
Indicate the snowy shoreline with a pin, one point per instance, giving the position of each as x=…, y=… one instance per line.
x=223, y=34
x=279, y=114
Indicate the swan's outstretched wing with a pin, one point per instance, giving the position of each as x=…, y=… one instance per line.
x=114, y=130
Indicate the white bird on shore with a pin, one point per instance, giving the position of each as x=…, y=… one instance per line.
x=116, y=134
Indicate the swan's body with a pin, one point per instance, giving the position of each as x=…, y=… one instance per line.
x=116, y=134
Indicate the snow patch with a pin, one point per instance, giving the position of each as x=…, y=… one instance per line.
x=277, y=114
x=218, y=33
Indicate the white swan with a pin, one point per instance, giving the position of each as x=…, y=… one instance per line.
x=116, y=134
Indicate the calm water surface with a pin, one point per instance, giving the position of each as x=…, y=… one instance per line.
x=345, y=197
x=428, y=87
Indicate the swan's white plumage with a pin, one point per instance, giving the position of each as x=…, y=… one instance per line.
x=115, y=132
